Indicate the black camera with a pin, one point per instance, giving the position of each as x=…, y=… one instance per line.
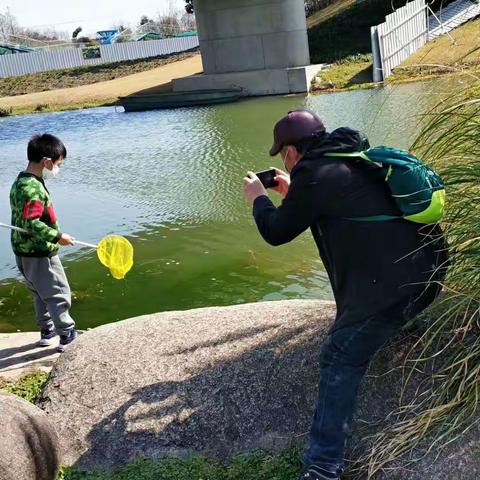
x=267, y=177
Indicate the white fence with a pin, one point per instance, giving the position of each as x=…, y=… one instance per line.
x=403, y=33
x=25, y=63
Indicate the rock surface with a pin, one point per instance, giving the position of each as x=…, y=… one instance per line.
x=29, y=445
x=20, y=355
x=214, y=381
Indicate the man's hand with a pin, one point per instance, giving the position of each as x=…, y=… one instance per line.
x=253, y=187
x=283, y=179
x=66, y=240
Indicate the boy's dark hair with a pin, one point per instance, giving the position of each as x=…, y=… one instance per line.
x=45, y=145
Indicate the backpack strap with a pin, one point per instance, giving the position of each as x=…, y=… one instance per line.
x=373, y=218
x=348, y=155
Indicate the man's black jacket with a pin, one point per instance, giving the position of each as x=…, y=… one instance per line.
x=371, y=265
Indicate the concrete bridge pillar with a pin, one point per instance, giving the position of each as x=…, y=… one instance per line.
x=258, y=45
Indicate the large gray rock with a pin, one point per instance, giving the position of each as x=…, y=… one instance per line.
x=29, y=447
x=214, y=381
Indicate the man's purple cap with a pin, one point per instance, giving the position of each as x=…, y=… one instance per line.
x=297, y=125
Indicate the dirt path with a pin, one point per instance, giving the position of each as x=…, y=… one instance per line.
x=103, y=92
x=19, y=355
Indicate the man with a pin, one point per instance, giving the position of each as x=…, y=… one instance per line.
x=383, y=273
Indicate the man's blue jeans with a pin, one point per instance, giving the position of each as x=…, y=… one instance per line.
x=346, y=354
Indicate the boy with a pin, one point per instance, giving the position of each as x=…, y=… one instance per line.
x=37, y=253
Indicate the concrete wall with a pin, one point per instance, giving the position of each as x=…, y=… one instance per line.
x=243, y=35
x=254, y=82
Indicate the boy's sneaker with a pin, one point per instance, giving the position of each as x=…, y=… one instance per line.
x=316, y=473
x=47, y=336
x=66, y=340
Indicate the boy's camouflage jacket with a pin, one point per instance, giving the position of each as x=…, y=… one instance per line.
x=32, y=210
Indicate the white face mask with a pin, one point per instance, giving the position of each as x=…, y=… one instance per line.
x=285, y=161
x=50, y=174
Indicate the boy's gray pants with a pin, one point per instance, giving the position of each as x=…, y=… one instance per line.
x=46, y=278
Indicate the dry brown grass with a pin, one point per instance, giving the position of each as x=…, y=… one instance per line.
x=103, y=92
x=75, y=77
x=444, y=56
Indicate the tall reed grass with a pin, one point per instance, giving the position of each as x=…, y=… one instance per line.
x=442, y=368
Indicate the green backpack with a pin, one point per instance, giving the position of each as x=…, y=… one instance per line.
x=417, y=190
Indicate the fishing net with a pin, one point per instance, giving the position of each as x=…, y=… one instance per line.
x=116, y=253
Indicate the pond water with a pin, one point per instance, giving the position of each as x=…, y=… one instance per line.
x=171, y=181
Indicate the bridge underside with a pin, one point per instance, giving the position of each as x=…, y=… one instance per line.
x=260, y=46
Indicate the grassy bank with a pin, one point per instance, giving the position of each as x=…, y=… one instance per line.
x=54, y=107
x=102, y=93
x=343, y=29
x=75, y=77
x=256, y=466
x=351, y=65
x=27, y=387
x=351, y=73
x=458, y=53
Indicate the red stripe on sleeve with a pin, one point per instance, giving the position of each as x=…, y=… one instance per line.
x=32, y=209
x=51, y=214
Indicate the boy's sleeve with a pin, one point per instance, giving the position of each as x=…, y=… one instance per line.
x=33, y=210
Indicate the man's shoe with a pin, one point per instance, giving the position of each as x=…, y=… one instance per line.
x=66, y=340
x=47, y=336
x=316, y=473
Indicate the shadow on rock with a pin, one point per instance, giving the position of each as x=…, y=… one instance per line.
x=231, y=407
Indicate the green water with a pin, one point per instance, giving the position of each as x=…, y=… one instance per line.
x=171, y=181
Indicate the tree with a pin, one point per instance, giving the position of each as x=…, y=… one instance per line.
x=46, y=35
x=8, y=25
x=188, y=22
x=11, y=31
x=119, y=26
x=126, y=33
x=144, y=20
x=189, y=6
x=168, y=25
